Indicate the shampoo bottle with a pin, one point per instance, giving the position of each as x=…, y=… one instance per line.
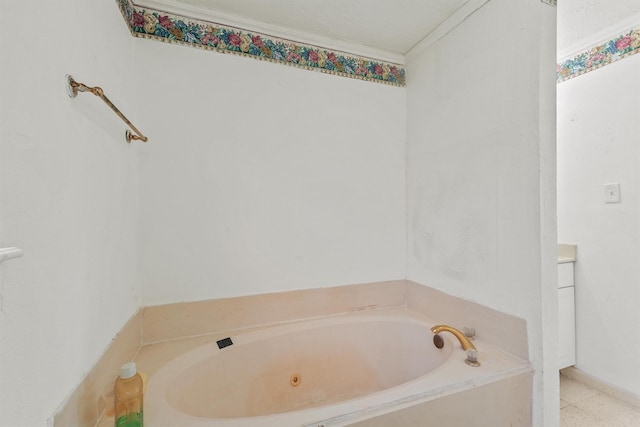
x=127, y=394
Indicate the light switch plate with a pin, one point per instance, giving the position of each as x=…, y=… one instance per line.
x=612, y=193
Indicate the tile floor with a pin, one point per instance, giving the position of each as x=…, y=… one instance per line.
x=583, y=406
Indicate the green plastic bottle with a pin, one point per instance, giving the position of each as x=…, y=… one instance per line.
x=127, y=393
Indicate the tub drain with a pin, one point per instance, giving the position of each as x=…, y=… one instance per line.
x=295, y=380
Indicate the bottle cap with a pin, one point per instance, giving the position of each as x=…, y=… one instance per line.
x=128, y=370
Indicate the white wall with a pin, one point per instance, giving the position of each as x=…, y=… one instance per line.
x=257, y=178
x=580, y=20
x=598, y=128
x=68, y=198
x=262, y=178
x=481, y=173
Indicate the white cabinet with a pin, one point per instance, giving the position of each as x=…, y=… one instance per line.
x=566, y=316
x=565, y=275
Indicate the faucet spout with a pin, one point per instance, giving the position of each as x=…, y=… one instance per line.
x=472, y=353
x=464, y=341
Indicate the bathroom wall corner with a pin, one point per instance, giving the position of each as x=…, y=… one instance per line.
x=602, y=386
x=499, y=329
x=86, y=404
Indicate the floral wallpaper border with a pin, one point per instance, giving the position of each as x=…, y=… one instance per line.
x=159, y=25
x=598, y=56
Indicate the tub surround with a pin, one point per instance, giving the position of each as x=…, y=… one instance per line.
x=481, y=406
x=156, y=335
x=453, y=379
x=501, y=330
x=179, y=320
x=94, y=395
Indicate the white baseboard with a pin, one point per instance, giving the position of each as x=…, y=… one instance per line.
x=602, y=386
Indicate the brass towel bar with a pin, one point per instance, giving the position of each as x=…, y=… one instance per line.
x=73, y=87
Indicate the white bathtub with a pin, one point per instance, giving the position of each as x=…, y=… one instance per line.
x=323, y=372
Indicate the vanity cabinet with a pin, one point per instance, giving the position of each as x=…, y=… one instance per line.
x=566, y=316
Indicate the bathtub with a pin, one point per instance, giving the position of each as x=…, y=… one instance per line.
x=340, y=370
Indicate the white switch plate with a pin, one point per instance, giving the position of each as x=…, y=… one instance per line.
x=612, y=193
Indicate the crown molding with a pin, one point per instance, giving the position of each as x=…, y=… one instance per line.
x=457, y=18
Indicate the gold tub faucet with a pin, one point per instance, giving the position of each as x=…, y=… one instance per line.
x=472, y=353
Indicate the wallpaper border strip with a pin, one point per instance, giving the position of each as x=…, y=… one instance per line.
x=163, y=26
x=621, y=46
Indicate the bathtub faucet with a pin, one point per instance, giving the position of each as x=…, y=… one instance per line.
x=472, y=353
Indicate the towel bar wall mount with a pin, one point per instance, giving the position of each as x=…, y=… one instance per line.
x=73, y=87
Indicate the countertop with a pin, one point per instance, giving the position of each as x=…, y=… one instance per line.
x=566, y=253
